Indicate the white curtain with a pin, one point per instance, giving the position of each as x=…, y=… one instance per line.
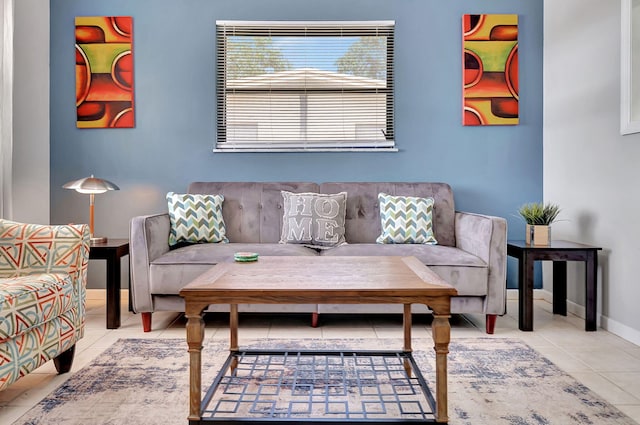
x=6, y=108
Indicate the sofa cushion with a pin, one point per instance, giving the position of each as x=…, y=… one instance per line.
x=430, y=255
x=457, y=267
x=406, y=219
x=30, y=300
x=173, y=270
x=196, y=218
x=312, y=219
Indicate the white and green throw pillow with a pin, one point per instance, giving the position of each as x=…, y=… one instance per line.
x=314, y=219
x=406, y=219
x=196, y=218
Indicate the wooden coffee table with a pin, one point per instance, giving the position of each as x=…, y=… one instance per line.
x=336, y=280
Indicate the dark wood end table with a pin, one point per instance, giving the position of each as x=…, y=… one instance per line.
x=112, y=250
x=559, y=252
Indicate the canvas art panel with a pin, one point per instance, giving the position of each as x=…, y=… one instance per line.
x=490, y=70
x=104, y=72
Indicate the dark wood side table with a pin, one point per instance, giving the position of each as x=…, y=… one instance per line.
x=112, y=250
x=559, y=252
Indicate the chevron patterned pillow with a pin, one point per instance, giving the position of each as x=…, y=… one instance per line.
x=196, y=218
x=406, y=219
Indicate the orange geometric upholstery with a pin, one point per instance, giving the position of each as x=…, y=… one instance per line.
x=43, y=275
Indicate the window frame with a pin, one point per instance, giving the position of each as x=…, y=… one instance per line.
x=226, y=29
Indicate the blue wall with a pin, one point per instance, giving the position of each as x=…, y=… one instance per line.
x=492, y=170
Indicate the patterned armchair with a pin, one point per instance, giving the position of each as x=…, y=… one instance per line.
x=43, y=275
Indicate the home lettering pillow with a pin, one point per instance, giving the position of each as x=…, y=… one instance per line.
x=314, y=219
x=406, y=219
x=196, y=218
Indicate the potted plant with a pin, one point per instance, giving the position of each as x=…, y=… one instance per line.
x=539, y=217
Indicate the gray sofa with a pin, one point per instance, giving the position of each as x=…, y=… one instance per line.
x=470, y=254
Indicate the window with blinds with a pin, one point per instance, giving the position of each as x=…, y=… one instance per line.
x=311, y=86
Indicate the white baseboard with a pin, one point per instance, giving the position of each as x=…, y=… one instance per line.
x=538, y=294
x=96, y=294
x=101, y=294
x=606, y=323
x=623, y=331
x=543, y=294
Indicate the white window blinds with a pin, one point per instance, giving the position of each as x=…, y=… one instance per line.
x=287, y=86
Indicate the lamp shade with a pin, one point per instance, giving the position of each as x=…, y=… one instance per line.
x=91, y=185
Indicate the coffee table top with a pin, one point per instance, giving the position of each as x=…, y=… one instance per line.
x=318, y=279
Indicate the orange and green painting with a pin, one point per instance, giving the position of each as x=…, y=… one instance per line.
x=104, y=72
x=490, y=70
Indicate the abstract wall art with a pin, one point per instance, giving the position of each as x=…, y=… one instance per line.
x=104, y=72
x=490, y=70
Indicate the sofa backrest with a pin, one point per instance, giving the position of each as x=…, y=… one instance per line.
x=363, y=213
x=252, y=211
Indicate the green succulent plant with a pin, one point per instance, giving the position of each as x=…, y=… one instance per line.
x=537, y=213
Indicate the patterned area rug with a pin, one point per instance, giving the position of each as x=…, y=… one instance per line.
x=491, y=381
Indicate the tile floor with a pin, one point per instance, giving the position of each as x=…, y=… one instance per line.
x=607, y=364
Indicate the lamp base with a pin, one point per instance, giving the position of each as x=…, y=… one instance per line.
x=97, y=239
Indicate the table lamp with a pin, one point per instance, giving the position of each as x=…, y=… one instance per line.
x=91, y=185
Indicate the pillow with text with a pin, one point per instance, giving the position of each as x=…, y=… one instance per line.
x=314, y=219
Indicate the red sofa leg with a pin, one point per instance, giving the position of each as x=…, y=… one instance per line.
x=146, y=321
x=314, y=320
x=491, y=323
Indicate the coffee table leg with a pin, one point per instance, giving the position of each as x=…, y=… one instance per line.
x=195, y=336
x=441, y=331
x=233, y=330
x=406, y=322
x=407, y=327
x=233, y=327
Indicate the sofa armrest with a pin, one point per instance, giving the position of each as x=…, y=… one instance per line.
x=148, y=240
x=38, y=248
x=486, y=237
